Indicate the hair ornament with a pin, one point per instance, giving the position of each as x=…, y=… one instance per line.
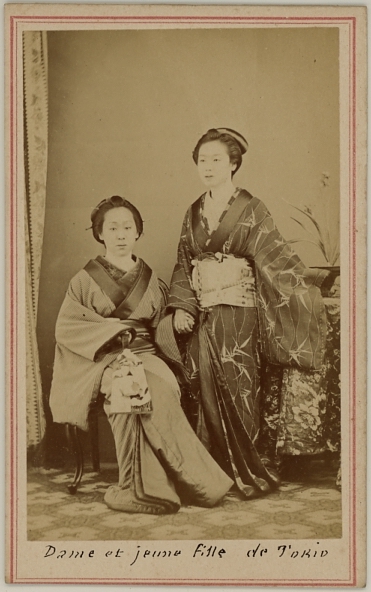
x=241, y=141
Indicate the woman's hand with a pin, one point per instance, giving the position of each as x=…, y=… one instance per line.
x=106, y=382
x=183, y=321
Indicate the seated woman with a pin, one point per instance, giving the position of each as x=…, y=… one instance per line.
x=105, y=343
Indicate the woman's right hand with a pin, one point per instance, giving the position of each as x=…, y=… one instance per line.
x=106, y=381
x=183, y=321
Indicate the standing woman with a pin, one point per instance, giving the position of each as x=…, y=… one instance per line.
x=240, y=296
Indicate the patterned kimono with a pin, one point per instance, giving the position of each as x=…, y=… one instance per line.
x=271, y=313
x=161, y=461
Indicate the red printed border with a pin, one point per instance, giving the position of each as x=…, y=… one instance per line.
x=14, y=61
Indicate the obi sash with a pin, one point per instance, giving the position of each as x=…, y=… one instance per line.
x=223, y=279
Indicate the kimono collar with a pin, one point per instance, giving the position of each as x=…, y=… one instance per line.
x=227, y=224
x=128, y=294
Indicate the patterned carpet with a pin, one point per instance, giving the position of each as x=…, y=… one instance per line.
x=305, y=507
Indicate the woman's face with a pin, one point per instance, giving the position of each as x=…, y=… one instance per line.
x=214, y=165
x=119, y=232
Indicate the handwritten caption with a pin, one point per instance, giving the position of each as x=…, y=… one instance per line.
x=201, y=550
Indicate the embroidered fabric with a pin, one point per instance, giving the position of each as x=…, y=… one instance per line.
x=130, y=392
x=223, y=279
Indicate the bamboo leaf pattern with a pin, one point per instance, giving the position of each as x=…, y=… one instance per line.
x=287, y=303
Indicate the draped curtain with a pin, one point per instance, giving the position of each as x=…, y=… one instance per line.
x=35, y=163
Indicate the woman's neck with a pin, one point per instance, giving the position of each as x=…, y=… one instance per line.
x=222, y=192
x=125, y=263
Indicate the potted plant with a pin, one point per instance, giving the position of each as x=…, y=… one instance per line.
x=319, y=235
x=310, y=412
x=317, y=232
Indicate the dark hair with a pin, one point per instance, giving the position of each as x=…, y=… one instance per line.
x=99, y=212
x=235, y=143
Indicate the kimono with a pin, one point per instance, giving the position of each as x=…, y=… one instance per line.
x=161, y=461
x=255, y=305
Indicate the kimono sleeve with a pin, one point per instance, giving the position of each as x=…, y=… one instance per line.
x=80, y=327
x=182, y=294
x=159, y=299
x=291, y=311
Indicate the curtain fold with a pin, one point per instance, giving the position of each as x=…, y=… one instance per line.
x=35, y=100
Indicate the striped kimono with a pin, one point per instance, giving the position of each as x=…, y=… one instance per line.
x=277, y=317
x=161, y=461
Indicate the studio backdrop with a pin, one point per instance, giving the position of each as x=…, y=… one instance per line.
x=125, y=110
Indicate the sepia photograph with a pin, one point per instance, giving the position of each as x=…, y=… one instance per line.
x=185, y=203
